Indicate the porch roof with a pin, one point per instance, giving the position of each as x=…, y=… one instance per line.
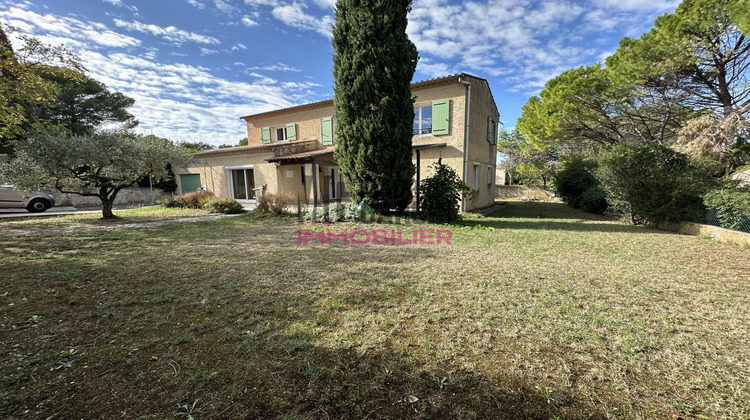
x=307, y=157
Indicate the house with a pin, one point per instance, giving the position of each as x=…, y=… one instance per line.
x=291, y=150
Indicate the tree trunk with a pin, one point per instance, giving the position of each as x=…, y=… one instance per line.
x=107, y=207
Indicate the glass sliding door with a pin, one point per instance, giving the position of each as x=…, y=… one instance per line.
x=243, y=184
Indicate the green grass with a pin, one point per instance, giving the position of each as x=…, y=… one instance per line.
x=538, y=312
x=136, y=215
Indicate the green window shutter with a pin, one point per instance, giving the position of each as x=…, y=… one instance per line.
x=326, y=131
x=265, y=135
x=291, y=131
x=441, y=117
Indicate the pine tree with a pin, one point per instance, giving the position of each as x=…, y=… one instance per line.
x=373, y=65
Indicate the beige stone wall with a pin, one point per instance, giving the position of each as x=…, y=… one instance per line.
x=308, y=126
x=480, y=150
x=213, y=172
x=716, y=233
x=307, y=123
x=452, y=153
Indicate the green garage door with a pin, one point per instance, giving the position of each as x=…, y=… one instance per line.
x=190, y=182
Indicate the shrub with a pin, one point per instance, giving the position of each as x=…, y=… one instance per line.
x=333, y=213
x=594, y=200
x=653, y=184
x=275, y=203
x=575, y=179
x=441, y=193
x=169, y=202
x=732, y=207
x=193, y=200
x=224, y=206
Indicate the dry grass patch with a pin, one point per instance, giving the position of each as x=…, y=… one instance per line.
x=540, y=311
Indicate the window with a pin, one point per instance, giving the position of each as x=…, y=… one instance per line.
x=287, y=133
x=281, y=134
x=476, y=176
x=302, y=171
x=422, y=120
x=490, y=176
x=242, y=183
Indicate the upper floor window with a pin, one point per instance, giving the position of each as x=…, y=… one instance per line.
x=281, y=134
x=422, y=120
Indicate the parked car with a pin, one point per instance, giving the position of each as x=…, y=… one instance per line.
x=37, y=201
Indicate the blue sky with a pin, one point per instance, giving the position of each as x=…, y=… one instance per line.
x=195, y=66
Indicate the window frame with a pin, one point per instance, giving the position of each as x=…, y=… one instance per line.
x=490, y=177
x=230, y=184
x=419, y=132
x=286, y=135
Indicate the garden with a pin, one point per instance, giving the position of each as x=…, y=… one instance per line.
x=536, y=311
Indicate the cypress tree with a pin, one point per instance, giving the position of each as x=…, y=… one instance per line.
x=373, y=65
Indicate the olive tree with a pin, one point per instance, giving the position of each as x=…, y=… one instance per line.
x=96, y=165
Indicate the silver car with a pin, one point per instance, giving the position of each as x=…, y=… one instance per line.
x=37, y=201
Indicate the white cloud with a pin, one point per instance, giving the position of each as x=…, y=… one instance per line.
x=256, y=3
x=225, y=7
x=274, y=67
x=119, y=3
x=641, y=5
x=72, y=31
x=294, y=15
x=196, y=3
x=248, y=22
x=170, y=33
x=239, y=47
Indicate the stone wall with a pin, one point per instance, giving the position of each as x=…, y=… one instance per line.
x=127, y=197
x=716, y=233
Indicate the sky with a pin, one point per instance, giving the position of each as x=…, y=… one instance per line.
x=195, y=66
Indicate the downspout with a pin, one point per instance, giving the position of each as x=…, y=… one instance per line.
x=466, y=139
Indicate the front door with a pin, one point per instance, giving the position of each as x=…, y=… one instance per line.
x=190, y=182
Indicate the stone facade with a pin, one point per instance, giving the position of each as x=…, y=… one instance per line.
x=295, y=175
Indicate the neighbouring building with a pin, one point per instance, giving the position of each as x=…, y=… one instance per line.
x=291, y=150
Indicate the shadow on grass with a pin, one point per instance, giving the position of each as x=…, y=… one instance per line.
x=555, y=216
x=259, y=331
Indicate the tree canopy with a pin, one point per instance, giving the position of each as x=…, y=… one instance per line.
x=82, y=103
x=373, y=65
x=93, y=164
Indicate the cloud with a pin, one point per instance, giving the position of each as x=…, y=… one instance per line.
x=72, y=31
x=248, y=22
x=275, y=67
x=119, y=3
x=170, y=33
x=294, y=15
x=196, y=3
x=524, y=42
x=239, y=47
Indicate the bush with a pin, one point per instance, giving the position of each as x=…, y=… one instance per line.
x=333, y=213
x=169, y=202
x=732, y=207
x=193, y=200
x=441, y=195
x=576, y=183
x=275, y=203
x=224, y=206
x=594, y=200
x=653, y=184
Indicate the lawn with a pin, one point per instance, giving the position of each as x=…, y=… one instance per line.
x=539, y=312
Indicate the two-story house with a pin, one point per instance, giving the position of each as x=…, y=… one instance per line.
x=291, y=150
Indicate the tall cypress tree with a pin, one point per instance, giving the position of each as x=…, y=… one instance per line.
x=373, y=65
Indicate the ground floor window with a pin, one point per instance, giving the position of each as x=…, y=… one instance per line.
x=476, y=176
x=243, y=184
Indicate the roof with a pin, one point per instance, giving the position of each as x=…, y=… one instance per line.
x=329, y=151
x=301, y=156
x=242, y=149
x=423, y=84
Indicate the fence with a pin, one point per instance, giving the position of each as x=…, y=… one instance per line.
x=741, y=223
